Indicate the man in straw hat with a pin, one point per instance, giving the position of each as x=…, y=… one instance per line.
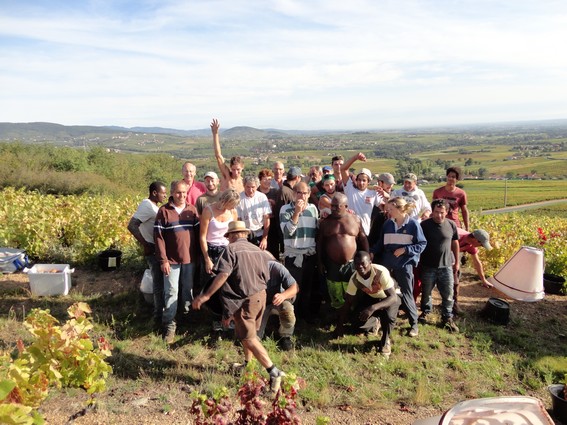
x=244, y=268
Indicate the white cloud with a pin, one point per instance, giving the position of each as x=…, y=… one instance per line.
x=288, y=63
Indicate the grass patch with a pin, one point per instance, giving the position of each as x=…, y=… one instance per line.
x=434, y=370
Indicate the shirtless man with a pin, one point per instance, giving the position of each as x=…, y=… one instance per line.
x=340, y=236
x=231, y=177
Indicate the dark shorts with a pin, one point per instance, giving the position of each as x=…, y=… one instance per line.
x=248, y=318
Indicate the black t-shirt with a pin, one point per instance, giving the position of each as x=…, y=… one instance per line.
x=439, y=236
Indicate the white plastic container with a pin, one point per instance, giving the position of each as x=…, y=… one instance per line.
x=521, y=277
x=50, y=279
x=147, y=286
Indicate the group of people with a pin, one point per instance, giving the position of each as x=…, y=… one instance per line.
x=250, y=246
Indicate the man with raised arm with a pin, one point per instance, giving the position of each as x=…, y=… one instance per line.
x=361, y=199
x=340, y=236
x=231, y=177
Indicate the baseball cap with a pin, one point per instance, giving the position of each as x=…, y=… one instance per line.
x=410, y=176
x=294, y=172
x=327, y=168
x=365, y=171
x=386, y=178
x=211, y=174
x=483, y=237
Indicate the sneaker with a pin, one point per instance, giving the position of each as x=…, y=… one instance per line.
x=286, y=344
x=450, y=325
x=386, y=349
x=413, y=332
x=422, y=318
x=238, y=368
x=276, y=382
x=169, y=336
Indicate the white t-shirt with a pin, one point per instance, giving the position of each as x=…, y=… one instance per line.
x=146, y=213
x=418, y=197
x=362, y=202
x=253, y=210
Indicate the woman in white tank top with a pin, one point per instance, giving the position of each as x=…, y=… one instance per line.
x=214, y=224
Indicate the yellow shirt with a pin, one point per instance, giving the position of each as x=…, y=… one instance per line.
x=378, y=281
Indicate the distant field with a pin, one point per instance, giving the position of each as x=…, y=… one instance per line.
x=556, y=211
x=489, y=194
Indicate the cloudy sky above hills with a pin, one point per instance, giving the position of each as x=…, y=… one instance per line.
x=305, y=64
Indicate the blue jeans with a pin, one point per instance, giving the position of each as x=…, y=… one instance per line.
x=443, y=277
x=180, y=279
x=157, y=279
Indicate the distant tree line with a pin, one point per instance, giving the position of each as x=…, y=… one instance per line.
x=97, y=170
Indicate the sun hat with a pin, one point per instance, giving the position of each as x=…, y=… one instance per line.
x=236, y=226
x=483, y=237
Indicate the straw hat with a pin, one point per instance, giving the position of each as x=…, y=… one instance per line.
x=236, y=226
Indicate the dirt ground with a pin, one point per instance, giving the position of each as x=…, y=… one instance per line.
x=59, y=409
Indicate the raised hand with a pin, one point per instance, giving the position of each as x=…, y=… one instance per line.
x=215, y=125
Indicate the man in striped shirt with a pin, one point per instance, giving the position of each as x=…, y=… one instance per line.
x=177, y=241
x=298, y=221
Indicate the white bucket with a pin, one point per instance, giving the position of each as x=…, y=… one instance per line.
x=521, y=277
x=147, y=286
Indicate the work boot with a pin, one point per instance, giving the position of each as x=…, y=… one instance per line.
x=169, y=334
x=422, y=318
x=450, y=325
x=285, y=343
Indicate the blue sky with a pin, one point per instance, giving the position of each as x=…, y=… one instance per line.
x=306, y=64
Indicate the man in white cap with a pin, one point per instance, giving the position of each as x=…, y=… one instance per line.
x=413, y=194
x=242, y=273
x=361, y=199
x=212, y=194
